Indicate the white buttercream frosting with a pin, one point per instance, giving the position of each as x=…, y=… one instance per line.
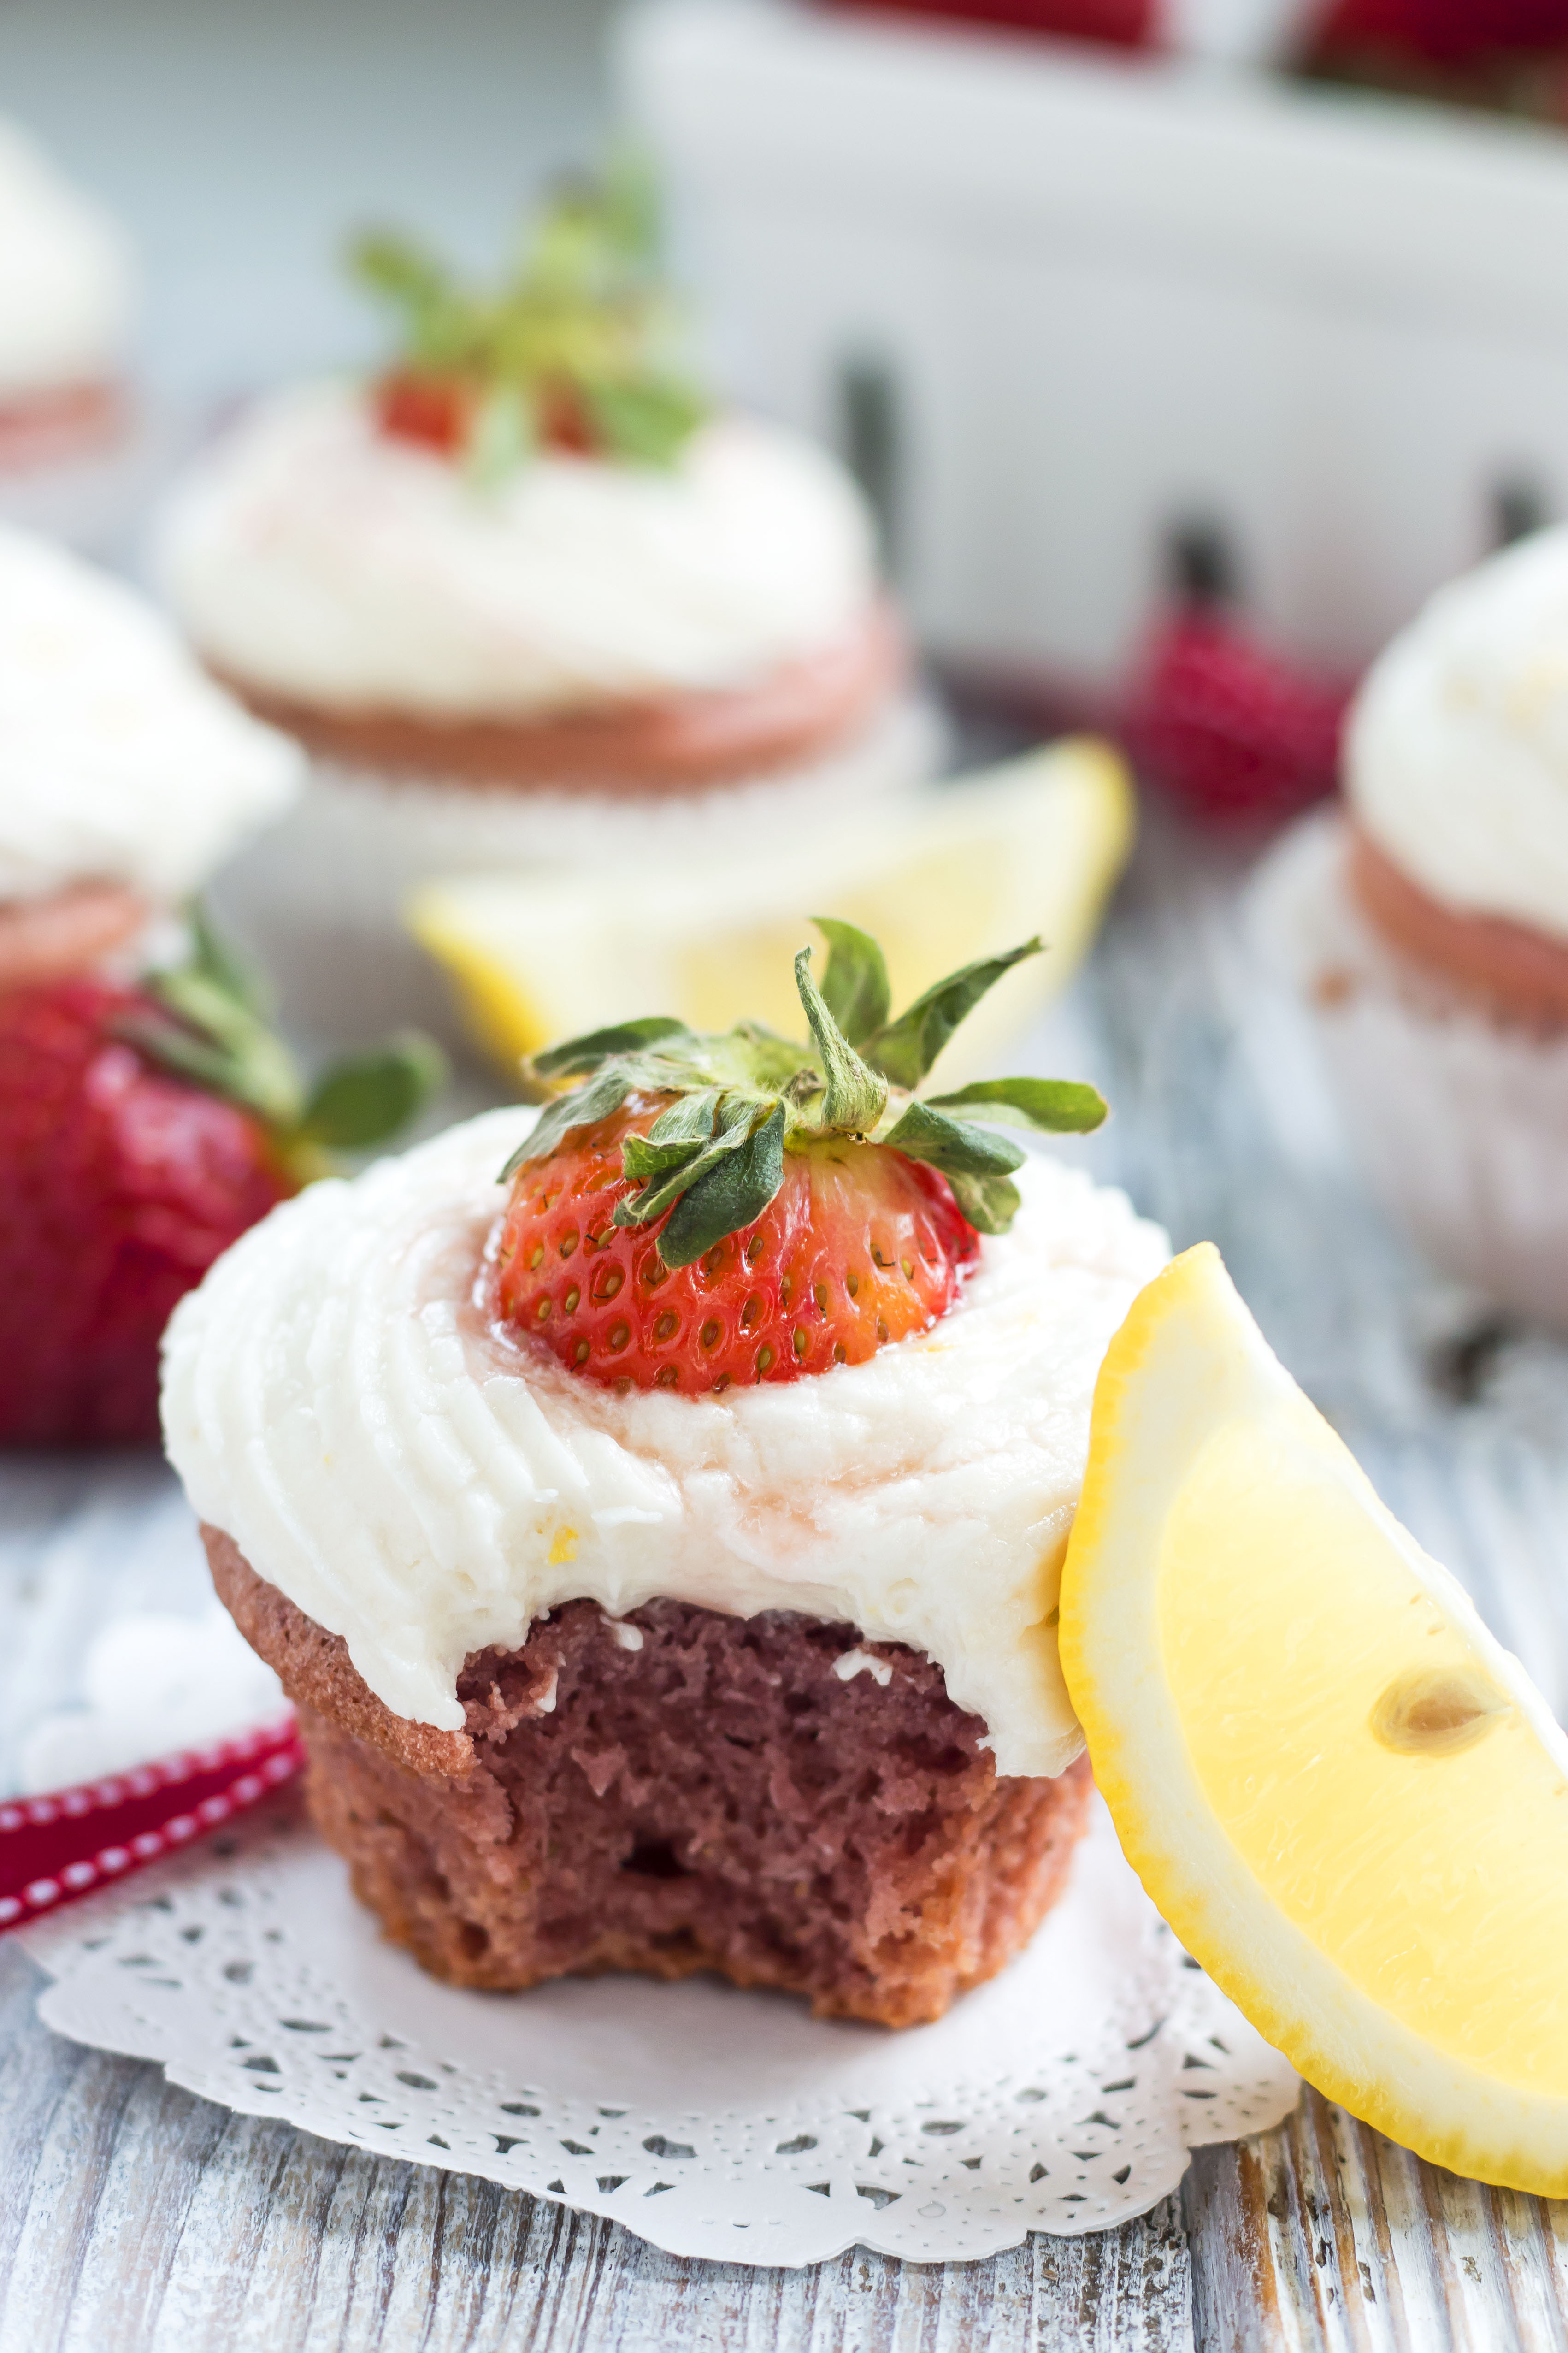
x=1456, y=755
x=120, y=761
x=315, y=555
x=335, y=1402
x=66, y=279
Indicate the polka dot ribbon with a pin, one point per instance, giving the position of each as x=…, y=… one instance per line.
x=69, y=1842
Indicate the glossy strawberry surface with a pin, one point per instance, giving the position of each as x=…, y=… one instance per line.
x=119, y=1186
x=435, y=411
x=858, y=1248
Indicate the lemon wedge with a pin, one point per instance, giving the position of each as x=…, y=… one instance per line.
x=962, y=871
x=1348, y=1801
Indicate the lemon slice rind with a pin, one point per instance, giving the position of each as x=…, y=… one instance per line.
x=1242, y=1831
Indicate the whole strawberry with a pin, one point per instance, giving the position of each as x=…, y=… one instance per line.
x=1449, y=31
x=1225, y=726
x=142, y=1131
x=575, y=352
x=712, y=1211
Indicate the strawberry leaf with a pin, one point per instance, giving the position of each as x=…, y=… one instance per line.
x=730, y=1196
x=638, y=1208
x=219, y=961
x=597, y=1046
x=904, y=1050
x=177, y=1050
x=688, y=1121
x=576, y=348
x=1058, y=1106
x=641, y=1160
x=952, y=1144
x=207, y=1028
x=650, y=422
x=501, y=436
x=990, y=1203
x=854, y=985
x=713, y=1160
x=246, y=1061
x=583, y=1107
x=856, y=1097
x=361, y=1101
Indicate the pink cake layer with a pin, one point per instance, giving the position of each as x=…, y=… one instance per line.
x=717, y=1798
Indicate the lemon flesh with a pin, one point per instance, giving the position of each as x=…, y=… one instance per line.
x=956, y=873
x=1347, y=1798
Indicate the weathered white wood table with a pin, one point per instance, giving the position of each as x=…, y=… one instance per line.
x=136, y=2218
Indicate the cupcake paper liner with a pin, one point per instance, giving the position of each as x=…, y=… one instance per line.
x=95, y=499
x=1458, y=1121
x=319, y=900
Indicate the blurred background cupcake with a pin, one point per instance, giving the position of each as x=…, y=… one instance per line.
x=125, y=778
x=1427, y=926
x=147, y=1113
x=528, y=599
x=67, y=309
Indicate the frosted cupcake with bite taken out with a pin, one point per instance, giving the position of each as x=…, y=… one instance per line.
x=526, y=598
x=657, y=1506
x=1427, y=927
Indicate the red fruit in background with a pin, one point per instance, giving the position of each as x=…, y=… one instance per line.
x=1227, y=727
x=1444, y=32
x=858, y=1247
x=119, y=1186
x=1121, y=23
x=142, y=1131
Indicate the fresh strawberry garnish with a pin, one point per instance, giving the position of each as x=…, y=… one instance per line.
x=142, y=1131
x=435, y=411
x=1225, y=726
x=709, y=1210
x=576, y=351
x=858, y=1247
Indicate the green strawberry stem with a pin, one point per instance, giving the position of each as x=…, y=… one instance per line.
x=713, y=1159
x=582, y=328
x=207, y=1023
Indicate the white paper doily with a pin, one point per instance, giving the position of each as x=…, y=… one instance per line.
x=1064, y=2097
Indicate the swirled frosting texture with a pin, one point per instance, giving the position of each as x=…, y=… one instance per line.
x=315, y=556
x=1456, y=755
x=335, y=1402
x=65, y=278
x=120, y=761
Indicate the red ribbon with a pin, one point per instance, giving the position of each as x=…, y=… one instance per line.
x=66, y=1843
